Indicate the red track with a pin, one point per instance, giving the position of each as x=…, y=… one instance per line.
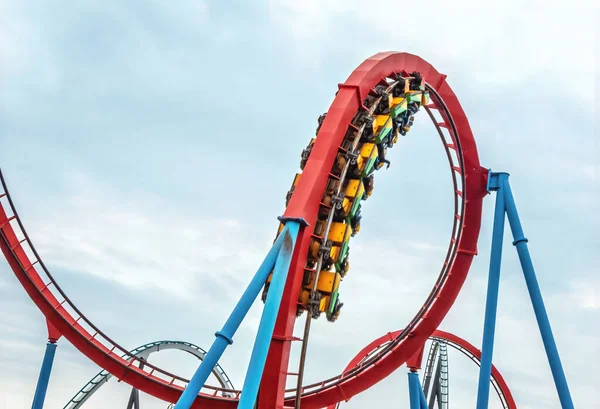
x=71, y=323
x=442, y=335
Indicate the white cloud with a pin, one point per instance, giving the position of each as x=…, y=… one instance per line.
x=33, y=48
x=497, y=43
x=16, y=393
x=586, y=294
x=142, y=241
x=22, y=44
x=592, y=172
x=589, y=298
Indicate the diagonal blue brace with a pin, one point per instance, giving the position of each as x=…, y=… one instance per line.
x=225, y=336
x=269, y=316
x=422, y=398
x=44, y=378
x=505, y=204
x=416, y=392
x=520, y=242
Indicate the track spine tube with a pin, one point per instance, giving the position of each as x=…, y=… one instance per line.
x=428, y=370
x=225, y=336
x=491, y=307
x=414, y=390
x=134, y=398
x=269, y=316
x=435, y=390
x=44, y=378
x=422, y=398
x=439, y=399
x=520, y=242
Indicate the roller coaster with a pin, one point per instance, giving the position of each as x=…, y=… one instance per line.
x=310, y=259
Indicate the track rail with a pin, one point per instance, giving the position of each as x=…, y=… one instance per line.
x=454, y=341
x=143, y=352
x=45, y=292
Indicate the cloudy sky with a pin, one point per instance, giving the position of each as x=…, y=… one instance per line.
x=149, y=147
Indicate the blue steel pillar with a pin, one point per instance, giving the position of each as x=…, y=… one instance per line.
x=536, y=299
x=269, y=316
x=44, y=378
x=414, y=390
x=495, y=182
x=225, y=336
x=416, y=393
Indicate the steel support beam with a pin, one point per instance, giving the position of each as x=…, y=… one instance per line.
x=505, y=205
x=269, y=316
x=44, y=378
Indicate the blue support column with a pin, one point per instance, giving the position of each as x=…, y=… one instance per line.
x=44, y=378
x=225, y=336
x=269, y=316
x=491, y=307
x=536, y=299
x=414, y=390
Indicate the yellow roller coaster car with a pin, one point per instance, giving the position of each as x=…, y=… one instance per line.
x=288, y=196
x=388, y=112
x=327, y=289
x=365, y=159
x=336, y=243
x=353, y=193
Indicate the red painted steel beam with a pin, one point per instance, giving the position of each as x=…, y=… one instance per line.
x=53, y=334
x=414, y=362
